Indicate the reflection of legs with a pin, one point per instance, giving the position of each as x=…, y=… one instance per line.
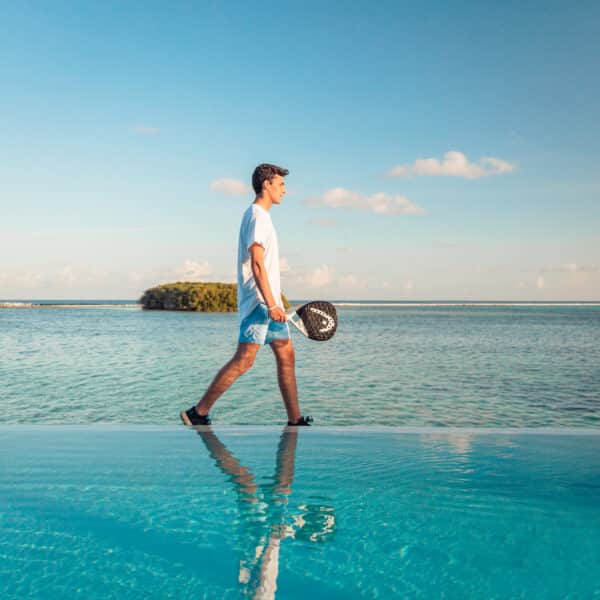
x=286, y=458
x=266, y=576
x=260, y=568
x=229, y=464
x=286, y=375
x=238, y=365
x=241, y=475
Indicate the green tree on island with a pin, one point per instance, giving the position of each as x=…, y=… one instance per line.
x=194, y=296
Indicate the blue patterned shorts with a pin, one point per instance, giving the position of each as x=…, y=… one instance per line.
x=259, y=328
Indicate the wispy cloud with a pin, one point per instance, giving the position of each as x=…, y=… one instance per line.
x=307, y=278
x=22, y=279
x=65, y=277
x=284, y=265
x=86, y=231
x=453, y=245
x=192, y=270
x=230, y=187
x=454, y=164
x=351, y=281
x=321, y=276
x=572, y=268
x=323, y=222
x=380, y=203
x=146, y=130
x=189, y=270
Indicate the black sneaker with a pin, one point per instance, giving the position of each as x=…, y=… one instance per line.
x=302, y=421
x=191, y=417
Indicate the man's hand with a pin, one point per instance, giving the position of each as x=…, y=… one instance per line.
x=277, y=314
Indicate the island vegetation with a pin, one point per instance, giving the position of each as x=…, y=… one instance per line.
x=194, y=296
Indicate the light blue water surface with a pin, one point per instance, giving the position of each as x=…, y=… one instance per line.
x=155, y=512
x=404, y=365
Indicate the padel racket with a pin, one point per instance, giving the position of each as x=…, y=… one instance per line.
x=316, y=320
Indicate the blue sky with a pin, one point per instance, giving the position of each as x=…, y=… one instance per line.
x=436, y=150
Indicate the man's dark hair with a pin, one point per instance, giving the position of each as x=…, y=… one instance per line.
x=265, y=172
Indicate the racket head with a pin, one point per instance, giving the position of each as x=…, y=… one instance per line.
x=319, y=319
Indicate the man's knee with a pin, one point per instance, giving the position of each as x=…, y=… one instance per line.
x=244, y=363
x=244, y=359
x=284, y=351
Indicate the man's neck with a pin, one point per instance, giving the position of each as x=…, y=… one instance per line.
x=263, y=202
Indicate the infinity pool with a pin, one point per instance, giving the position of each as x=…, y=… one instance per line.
x=143, y=512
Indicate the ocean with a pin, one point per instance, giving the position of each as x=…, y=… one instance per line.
x=398, y=364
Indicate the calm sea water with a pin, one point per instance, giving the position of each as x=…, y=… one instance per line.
x=142, y=512
x=508, y=366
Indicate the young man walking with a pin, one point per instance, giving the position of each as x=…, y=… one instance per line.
x=261, y=314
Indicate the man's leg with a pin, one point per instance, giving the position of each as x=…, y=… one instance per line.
x=242, y=360
x=286, y=376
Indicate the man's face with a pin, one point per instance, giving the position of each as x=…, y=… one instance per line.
x=275, y=188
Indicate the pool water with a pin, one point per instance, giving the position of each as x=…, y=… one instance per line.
x=229, y=512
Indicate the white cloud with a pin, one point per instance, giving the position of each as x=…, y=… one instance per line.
x=25, y=280
x=67, y=275
x=351, y=282
x=323, y=222
x=193, y=271
x=380, y=203
x=230, y=187
x=572, y=268
x=540, y=283
x=67, y=278
x=454, y=164
x=189, y=270
x=520, y=285
x=320, y=277
x=454, y=245
x=100, y=231
x=146, y=130
x=409, y=284
x=284, y=265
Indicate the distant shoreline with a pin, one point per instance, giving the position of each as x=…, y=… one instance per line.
x=135, y=304
x=69, y=304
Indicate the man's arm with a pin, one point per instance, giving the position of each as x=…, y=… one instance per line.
x=257, y=255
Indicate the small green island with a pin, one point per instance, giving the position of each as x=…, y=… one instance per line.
x=194, y=296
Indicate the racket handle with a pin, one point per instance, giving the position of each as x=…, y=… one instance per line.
x=296, y=321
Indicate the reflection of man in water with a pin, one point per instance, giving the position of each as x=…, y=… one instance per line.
x=264, y=517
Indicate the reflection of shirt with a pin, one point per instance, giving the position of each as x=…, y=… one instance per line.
x=256, y=228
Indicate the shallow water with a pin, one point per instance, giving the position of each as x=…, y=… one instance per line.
x=126, y=512
x=403, y=365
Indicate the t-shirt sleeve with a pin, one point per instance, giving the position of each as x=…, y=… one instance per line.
x=258, y=231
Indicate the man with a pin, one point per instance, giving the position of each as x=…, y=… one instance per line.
x=262, y=318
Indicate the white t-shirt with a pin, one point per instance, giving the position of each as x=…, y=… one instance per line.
x=256, y=228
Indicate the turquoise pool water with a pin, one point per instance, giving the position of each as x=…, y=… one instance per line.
x=156, y=512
